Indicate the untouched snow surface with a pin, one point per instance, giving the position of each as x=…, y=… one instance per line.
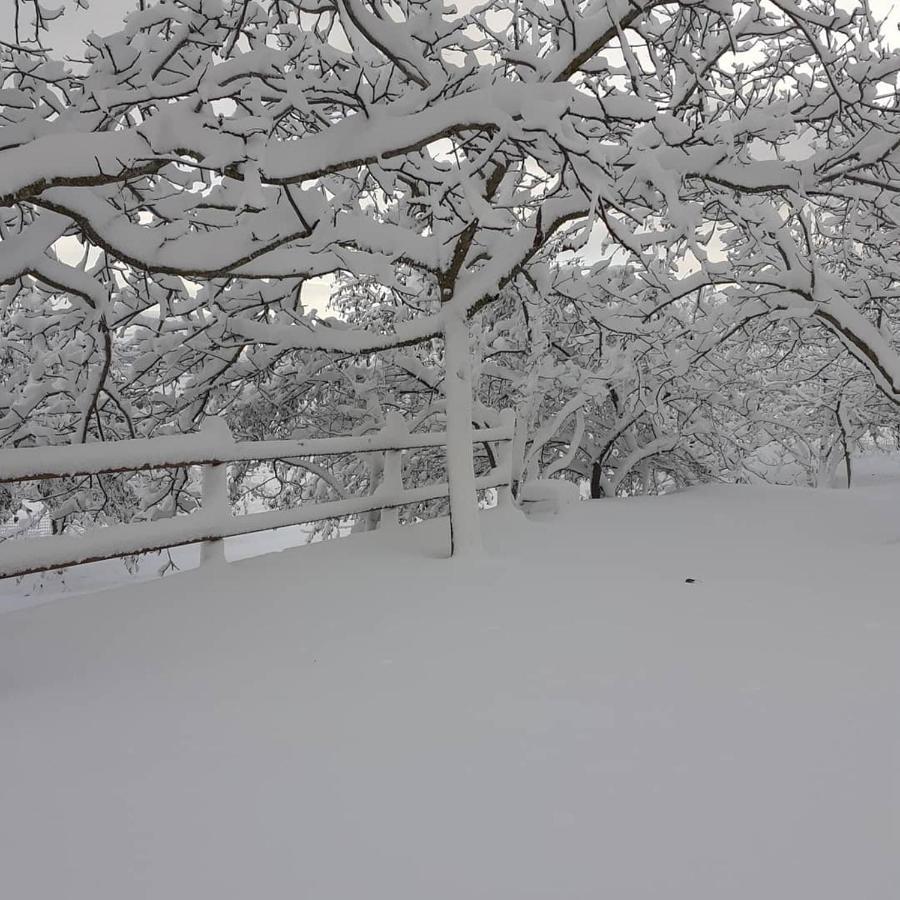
x=568, y=718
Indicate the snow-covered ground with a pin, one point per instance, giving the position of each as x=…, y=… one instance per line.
x=31, y=590
x=568, y=718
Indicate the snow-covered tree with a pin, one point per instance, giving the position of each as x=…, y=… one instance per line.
x=165, y=201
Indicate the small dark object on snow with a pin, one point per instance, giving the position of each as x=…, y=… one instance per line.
x=689, y=580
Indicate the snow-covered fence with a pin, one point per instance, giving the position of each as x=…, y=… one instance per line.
x=212, y=449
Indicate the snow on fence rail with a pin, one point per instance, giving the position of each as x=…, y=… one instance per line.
x=213, y=448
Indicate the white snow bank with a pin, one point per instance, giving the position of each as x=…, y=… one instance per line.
x=548, y=495
x=570, y=718
x=31, y=590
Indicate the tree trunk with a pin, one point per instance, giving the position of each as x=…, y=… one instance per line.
x=596, y=480
x=465, y=534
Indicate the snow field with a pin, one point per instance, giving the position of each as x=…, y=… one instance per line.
x=566, y=718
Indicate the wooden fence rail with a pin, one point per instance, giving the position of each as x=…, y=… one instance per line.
x=212, y=449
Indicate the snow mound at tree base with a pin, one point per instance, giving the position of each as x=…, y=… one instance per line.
x=548, y=495
x=690, y=697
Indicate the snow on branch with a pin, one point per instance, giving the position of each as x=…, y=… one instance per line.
x=590, y=210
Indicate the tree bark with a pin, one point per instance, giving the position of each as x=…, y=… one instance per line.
x=465, y=534
x=596, y=480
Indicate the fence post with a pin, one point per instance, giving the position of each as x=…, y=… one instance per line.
x=396, y=429
x=215, y=506
x=504, y=492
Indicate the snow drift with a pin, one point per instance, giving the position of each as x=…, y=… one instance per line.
x=692, y=697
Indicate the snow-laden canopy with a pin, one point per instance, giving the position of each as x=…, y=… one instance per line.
x=641, y=182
